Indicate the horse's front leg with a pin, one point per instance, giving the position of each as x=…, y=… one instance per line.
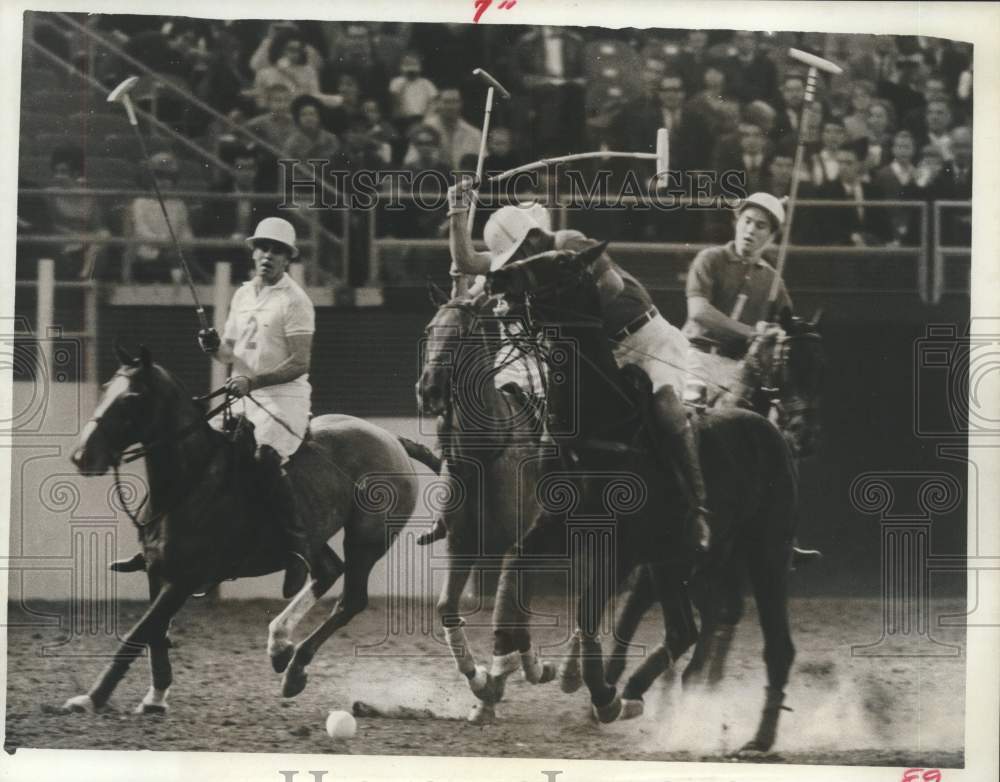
x=160, y=670
x=680, y=633
x=279, y=632
x=150, y=630
x=512, y=647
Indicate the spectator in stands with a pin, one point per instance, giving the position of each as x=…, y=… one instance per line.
x=309, y=140
x=938, y=121
x=763, y=115
x=276, y=124
x=915, y=120
x=859, y=225
x=897, y=181
x=291, y=67
x=930, y=166
x=779, y=176
x=954, y=183
x=880, y=126
x=349, y=107
x=547, y=71
x=690, y=135
x=693, y=60
x=236, y=218
x=412, y=94
x=458, y=137
x=824, y=165
x=144, y=221
x=500, y=155
x=261, y=58
x=430, y=175
x=226, y=81
x=856, y=122
x=78, y=217
x=713, y=102
x=793, y=93
x=748, y=159
x=385, y=137
x=751, y=75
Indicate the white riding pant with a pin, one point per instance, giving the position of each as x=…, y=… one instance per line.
x=711, y=371
x=291, y=410
x=659, y=349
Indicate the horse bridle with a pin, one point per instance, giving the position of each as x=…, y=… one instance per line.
x=127, y=454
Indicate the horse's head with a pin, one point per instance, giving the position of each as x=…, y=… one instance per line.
x=556, y=284
x=789, y=363
x=443, y=341
x=132, y=409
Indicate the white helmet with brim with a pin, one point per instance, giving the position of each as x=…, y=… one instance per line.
x=769, y=203
x=277, y=230
x=508, y=227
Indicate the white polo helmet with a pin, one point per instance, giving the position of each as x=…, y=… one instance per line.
x=507, y=228
x=768, y=203
x=277, y=230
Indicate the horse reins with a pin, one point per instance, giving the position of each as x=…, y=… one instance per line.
x=137, y=452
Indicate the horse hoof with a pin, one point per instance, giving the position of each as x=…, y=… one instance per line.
x=294, y=681
x=81, y=704
x=632, y=708
x=483, y=714
x=753, y=748
x=281, y=658
x=610, y=711
x=548, y=673
x=570, y=679
x=151, y=708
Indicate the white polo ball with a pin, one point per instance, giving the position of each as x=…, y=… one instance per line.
x=341, y=725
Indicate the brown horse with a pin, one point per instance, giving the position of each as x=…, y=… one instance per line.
x=600, y=415
x=492, y=457
x=781, y=377
x=208, y=517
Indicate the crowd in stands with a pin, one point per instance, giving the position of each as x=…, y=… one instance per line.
x=897, y=124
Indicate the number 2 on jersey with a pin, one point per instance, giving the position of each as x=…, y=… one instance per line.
x=247, y=338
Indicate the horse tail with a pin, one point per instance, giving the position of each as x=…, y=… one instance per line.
x=421, y=453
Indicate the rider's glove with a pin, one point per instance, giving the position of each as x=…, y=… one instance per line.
x=208, y=340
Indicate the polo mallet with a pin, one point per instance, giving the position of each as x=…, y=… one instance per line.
x=120, y=94
x=816, y=64
x=493, y=85
x=661, y=156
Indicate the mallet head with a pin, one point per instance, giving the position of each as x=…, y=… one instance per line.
x=491, y=81
x=120, y=94
x=122, y=90
x=814, y=62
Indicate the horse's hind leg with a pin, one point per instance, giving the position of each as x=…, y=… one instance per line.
x=279, y=632
x=151, y=628
x=720, y=604
x=359, y=561
x=680, y=633
x=769, y=575
x=638, y=598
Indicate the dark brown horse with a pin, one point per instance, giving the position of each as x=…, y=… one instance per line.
x=492, y=457
x=208, y=517
x=781, y=377
x=599, y=413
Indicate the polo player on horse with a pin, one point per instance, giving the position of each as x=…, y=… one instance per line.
x=643, y=336
x=268, y=341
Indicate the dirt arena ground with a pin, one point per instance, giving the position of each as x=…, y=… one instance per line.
x=847, y=709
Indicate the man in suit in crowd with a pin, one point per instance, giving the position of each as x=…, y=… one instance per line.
x=859, y=225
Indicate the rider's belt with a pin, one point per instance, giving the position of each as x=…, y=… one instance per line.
x=634, y=325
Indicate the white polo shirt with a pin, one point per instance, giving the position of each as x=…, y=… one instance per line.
x=259, y=324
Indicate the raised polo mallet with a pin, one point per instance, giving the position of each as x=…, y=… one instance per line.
x=493, y=85
x=816, y=64
x=120, y=94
